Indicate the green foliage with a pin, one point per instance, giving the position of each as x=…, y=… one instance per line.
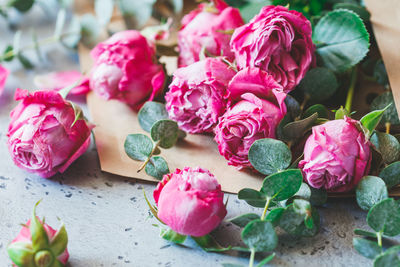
x=157, y=167
x=165, y=132
x=243, y=219
x=150, y=113
x=172, y=236
x=317, y=108
x=136, y=13
x=297, y=129
x=391, y=174
x=260, y=236
x=138, y=146
x=104, y=10
x=367, y=248
x=319, y=84
x=356, y=8
x=384, y=217
x=21, y=5
x=371, y=120
x=370, y=191
x=282, y=185
x=386, y=100
x=387, y=145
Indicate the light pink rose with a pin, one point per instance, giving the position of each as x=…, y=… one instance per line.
x=207, y=27
x=3, y=78
x=125, y=68
x=278, y=41
x=196, y=95
x=336, y=156
x=59, y=80
x=257, y=108
x=190, y=201
x=25, y=237
x=43, y=136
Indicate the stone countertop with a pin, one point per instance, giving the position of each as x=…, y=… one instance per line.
x=106, y=216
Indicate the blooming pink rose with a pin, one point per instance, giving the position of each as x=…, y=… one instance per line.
x=278, y=41
x=3, y=77
x=196, y=96
x=336, y=156
x=207, y=27
x=190, y=201
x=59, y=80
x=125, y=68
x=258, y=110
x=24, y=236
x=43, y=136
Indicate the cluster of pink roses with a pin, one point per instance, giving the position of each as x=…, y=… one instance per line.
x=272, y=52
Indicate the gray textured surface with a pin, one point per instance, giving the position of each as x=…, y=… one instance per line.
x=107, y=218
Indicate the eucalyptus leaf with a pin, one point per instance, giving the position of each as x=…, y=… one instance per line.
x=251, y=9
x=274, y=216
x=252, y=197
x=318, y=196
x=243, y=219
x=382, y=101
x=150, y=113
x=138, y=146
x=166, y=132
x=104, y=10
x=319, y=84
x=385, y=217
x=61, y=16
x=172, y=236
x=391, y=174
x=296, y=129
x=157, y=167
x=372, y=119
x=320, y=109
x=388, y=259
x=269, y=155
x=292, y=106
x=282, y=185
x=365, y=233
x=293, y=222
x=260, y=236
x=279, y=130
x=21, y=5
x=26, y=63
x=367, y=248
x=370, y=191
x=380, y=73
x=7, y=50
x=342, y=40
x=387, y=145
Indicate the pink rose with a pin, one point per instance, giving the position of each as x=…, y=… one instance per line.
x=196, y=96
x=190, y=201
x=207, y=27
x=125, y=68
x=24, y=237
x=59, y=80
x=278, y=41
x=336, y=156
x=3, y=77
x=257, y=108
x=43, y=136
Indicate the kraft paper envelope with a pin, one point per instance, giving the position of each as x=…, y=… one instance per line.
x=115, y=120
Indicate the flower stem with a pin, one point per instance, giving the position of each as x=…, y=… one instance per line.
x=388, y=127
x=350, y=93
x=266, y=209
x=149, y=157
x=379, y=237
x=252, y=255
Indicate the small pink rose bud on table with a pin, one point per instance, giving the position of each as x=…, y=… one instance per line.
x=44, y=134
x=190, y=201
x=336, y=156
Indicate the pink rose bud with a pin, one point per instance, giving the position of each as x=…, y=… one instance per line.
x=196, y=96
x=336, y=156
x=208, y=27
x=3, y=77
x=44, y=136
x=258, y=107
x=59, y=80
x=125, y=68
x=278, y=41
x=190, y=201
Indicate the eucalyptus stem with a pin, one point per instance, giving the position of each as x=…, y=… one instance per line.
x=350, y=93
x=266, y=209
x=252, y=255
x=149, y=157
x=379, y=237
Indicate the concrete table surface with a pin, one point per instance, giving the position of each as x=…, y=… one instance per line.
x=106, y=216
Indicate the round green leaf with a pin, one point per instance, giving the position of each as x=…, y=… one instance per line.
x=385, y=217
x=367, y=248
x=388, y=259
x=293, y=222
x=292, y=106
x=282, y=185
x=383, y=101
x=165, y=131
x=21, y=5
x=342, y=40
x=269, y=155
x=157, y=167
x=243, y=219
x=252, y=197
x=319, y=83
x=391, y=174
x=370, y=191
x=260, y=236
x=320, y=109
x=138, y=146
x=150, y=113
x=387, y=145
x=275, y=215
x=296, y=129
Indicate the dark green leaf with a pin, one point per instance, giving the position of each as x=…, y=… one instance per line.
x=282, y=185
x=367, y=248
x=364, y=233
x=391, y=174
x=208, y=243
x=358, y=9
x=266, y=260
x=304, y=192
x=252, y=197
x=383, y=101
x=370, y=191
x=243, y=219
x=21, y=5
x=150, y=113
x=138, y=146
x=380, y=73
x=387, y=145
x=292, y=106
x=279, y=130
x=296, y=129
x=342, y=40
x=269, y=155
x=385, y=217
x=319, y=84
x=157, y=167
x=260, y=236
x=318, y=196
x=21, y=254
x=320, y=109
x=372, y=119
x=387, y=259
x=7, y=56
x=25, y=61
x=172, y=236
x=293, y=222
x=274, y=216
x=166, y=132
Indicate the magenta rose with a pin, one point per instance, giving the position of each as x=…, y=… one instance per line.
x=125, y=68
x=3, y=77
x=190, y=201
x=257, y=108
x=196, y=95
x=278, y=41
x=336, y=156
x=43, y=136
x=207, y=27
